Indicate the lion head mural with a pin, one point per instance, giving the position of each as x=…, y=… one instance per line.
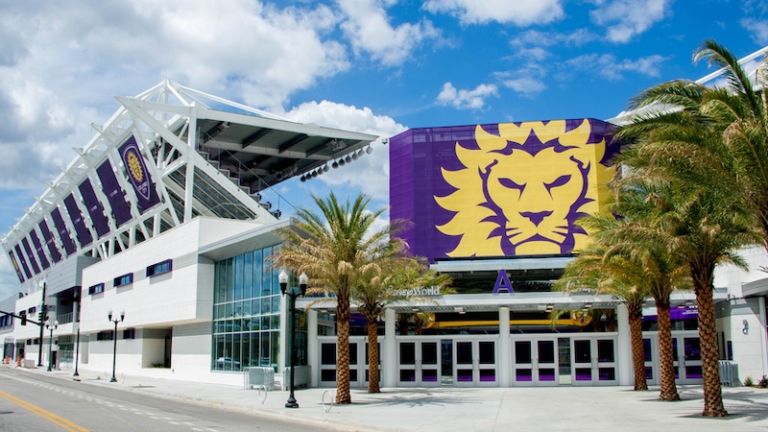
x=524, y=188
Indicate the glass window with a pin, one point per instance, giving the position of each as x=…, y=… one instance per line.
x=464, y=352
x=407, y=353
x=94, y=289
x=522, y=352
x=160, y=268
x=428, y=353
x=582, y=350
x=123, y=280
x=546, y=351
x=605, y=350
x=487, y=352
x=238, y=276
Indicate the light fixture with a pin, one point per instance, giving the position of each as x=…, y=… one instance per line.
x=354, y=155
x=588, y=305
x=603, y=317
x=414, y=309
x=303, y=178
x=325, y=168
x=257, y=197
x=267, y=205
x=282, y=279
x=549, y=308
x=335, y=165
x=369, y=149
x=341, y=162
x=348, y=158
x=277, y=213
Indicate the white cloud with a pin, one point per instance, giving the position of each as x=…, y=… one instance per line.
x=58, y=74
x=371, y=172
x=526, y=85
x=519, y=12
x=466, y=99
x=368, y=28
x=609, y=67
x=625, y=19
x=9, y=283
x=759, y=29
x=538, y=38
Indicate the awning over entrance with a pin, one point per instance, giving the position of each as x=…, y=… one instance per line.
x=755, y=288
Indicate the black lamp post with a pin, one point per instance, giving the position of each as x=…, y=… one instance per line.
x=292, y=294
x=51, y=325
x=114, y=338
x=77, y=323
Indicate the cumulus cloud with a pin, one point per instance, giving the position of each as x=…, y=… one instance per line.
x=368, y=28
x=758, y=29
x=369, y=173
x=609, y=67
x=524, y=83
x=59, y=75
x=466, y=99
x=520, y=12
x=625, y=19
x=538, y=38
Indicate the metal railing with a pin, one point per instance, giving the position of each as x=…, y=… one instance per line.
x=65, y=318
x=729, y=373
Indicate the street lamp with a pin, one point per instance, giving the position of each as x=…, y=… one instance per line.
x=292, y=294
x=51, y=325
x=114, y=337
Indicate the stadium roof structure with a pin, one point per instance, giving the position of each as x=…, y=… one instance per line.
x=753, y=64
x=165, y=156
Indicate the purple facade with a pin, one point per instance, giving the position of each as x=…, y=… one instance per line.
x=83, y=234
x=138, y=175
x=39, y=250
x=23, y=261
x=424, y=160
x=94, y=208
x=61, y=228
x=121, y=210
x=49, y=242
x=30, y=256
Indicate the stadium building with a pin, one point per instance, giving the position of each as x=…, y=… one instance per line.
x=169, y=217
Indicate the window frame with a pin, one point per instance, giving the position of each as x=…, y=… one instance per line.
x=152, y=271
x=96, y=289
x=117, y=282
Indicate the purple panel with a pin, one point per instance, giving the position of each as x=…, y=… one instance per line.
x=23, y=261
x=16, y=267
x=677, y=314
x=28, y=250
x=94, y=208
x=49, y=242
x=121, y=211
x=39, y=250
x=83, y=234
x=138, y=174
x=417, y=160
x=64, y=236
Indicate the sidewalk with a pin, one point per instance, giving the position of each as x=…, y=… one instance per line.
x=472, y=409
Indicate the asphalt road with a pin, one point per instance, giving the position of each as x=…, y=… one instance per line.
x=30, y=402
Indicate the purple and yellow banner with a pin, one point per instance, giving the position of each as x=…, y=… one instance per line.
x=138, y=175
x=15, y=264
x=500, y=190
x=49, y=242
x=83, y=234
x=39, y=250
x=64, y=235
x=23, y=261
x=30, y=256
x=121, y=210
x=94, y=208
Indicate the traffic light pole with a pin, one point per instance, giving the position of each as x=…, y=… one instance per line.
x=43, y=310
x=19, y=317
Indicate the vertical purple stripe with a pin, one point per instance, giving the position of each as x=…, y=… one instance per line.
x=83, y=234
x=138, y=175
x=49, y=242
x=64, y=235
x=121, y=211
x=15, y=264
x=39, y=250
x=30, y=256
x=23, y=261
x=94, y=208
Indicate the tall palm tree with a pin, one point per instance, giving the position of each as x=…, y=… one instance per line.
x=614, y=274
x=382, y=282
x=332, y=248
x=702, y=219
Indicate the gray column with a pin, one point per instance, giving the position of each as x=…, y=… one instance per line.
x=313, y=354
x=389, y=350
x=504, y=353
x=624, y=348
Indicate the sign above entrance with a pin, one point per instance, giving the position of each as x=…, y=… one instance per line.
x=502, y=283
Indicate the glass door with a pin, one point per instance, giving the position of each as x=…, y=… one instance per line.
x=546, y=364
x=522, y=362
x=475, y=362
x=581, y=356
x=465, y=365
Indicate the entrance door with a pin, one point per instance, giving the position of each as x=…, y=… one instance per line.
x=534, y=361
x=475, y=362
x=419, y=361
x=594, y=359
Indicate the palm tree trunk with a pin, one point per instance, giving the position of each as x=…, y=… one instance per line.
x=342, y=348
x=713, y=397
x=638, y=354
x=666, y=357
x=373, y=356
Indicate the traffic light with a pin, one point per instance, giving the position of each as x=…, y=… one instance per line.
x=41, y=317
x=23, y=316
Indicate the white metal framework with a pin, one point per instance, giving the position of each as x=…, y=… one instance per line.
x=205, y=155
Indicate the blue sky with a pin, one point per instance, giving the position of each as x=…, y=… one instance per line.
x=378, y=66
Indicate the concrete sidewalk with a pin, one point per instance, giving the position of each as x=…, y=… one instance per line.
x=472, y=409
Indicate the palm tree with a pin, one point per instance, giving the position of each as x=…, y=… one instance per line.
x=382, y=283
x=702, y=219
x=614, y=274
x=332, y=248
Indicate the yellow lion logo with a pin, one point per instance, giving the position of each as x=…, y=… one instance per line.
x=523, y=190
x=135, y=166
